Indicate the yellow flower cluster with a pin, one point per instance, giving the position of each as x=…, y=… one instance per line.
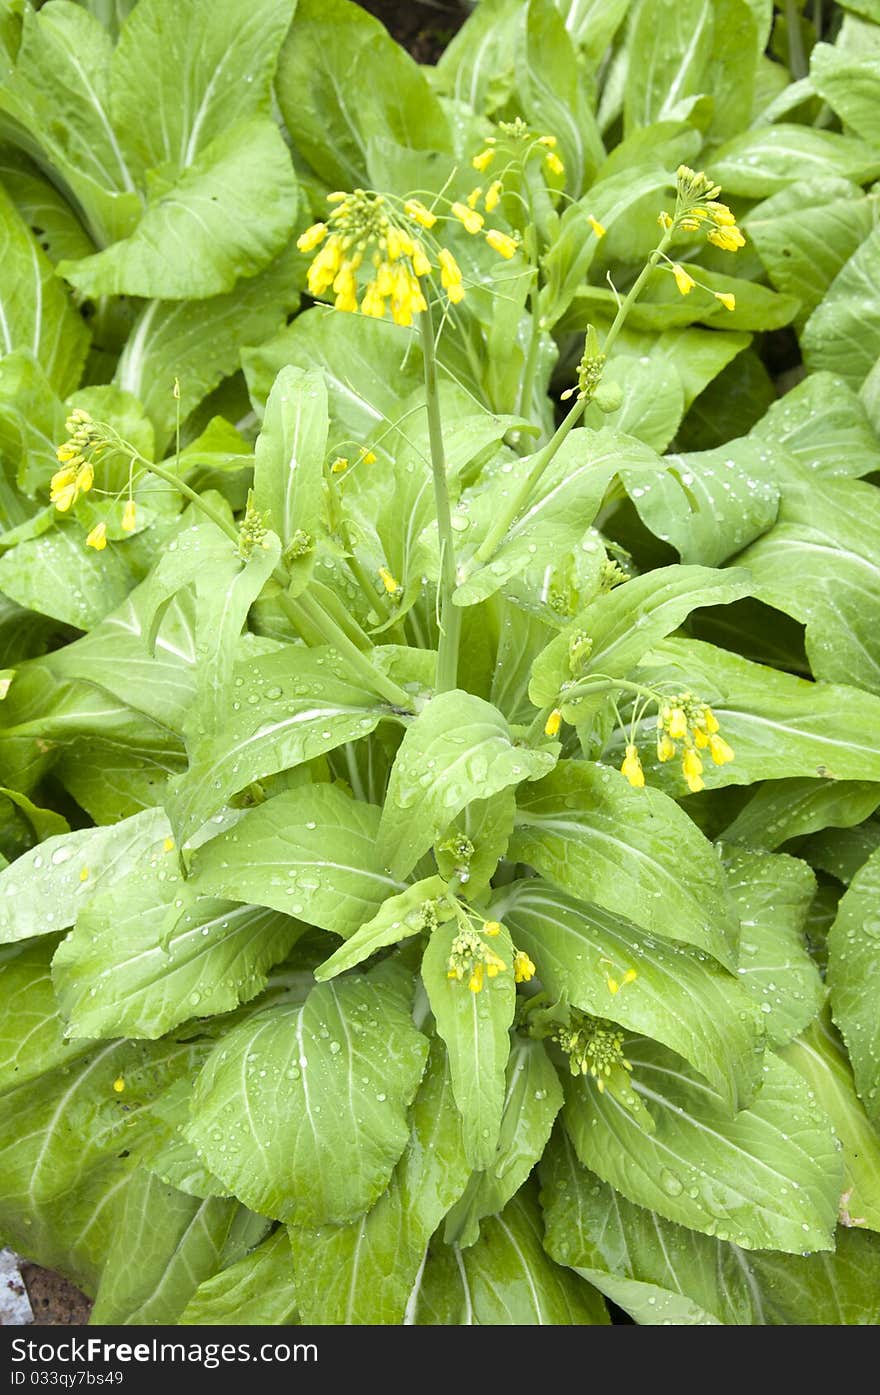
x=696, y=207
x=515, y=132
x=685, y=722
x=365, y=228
x=473, y=960
x=77, y=473
x=593, y=1045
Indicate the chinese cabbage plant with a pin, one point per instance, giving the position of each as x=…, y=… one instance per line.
x=440, y=673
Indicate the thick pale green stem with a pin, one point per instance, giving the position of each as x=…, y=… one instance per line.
x=797, y=58
x=490, y=543
x=450, y=615
x=305, y=610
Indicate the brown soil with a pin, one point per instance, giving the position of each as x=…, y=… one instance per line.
x=56, y=1303
x=422, y=26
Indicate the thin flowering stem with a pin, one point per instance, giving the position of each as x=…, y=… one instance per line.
x=450, y=615
x=507, y=516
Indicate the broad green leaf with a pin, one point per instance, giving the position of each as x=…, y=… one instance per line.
x=837, y=1289
x=761, y=162
x=778, y=725
x=476, y=1030
x=331, y=97
x=57, y=575
x=45, y=889
x=850, y=84
x=308, y=852
x=819, y=1056
x=631, y=851
x=853, y=977
x=679, y=51
x=182, y=76
x=170, y=1155
x=288, y=707
x=506, y=1279
x=653, y=401
x=772, y=894
x=291, y=1091
x=658, y=1272
x=458, y=747
x=370, y=368
x=179, y=1241
x=842, y=333
x=532, y=1099
x=31, y=1040
x=550, y=93
x=623, y=624
x=59, y=93
x=826, y=535
x=164, y=955
x=398, y=918
x=842, y=851
x=42, y=206
x=592, y=24
x=662, y=1273
x=566, y=503
x=147, y=666
x=708, y=504
x=611, y=202
x=36, y=313
x=256, y=1291
x=289, y=456
x=200, y=342
x=582, y=954
x=783, y=809
x=369, y=1272
x=477, y=66
x=227, y=216
x=767, y=1178
x=69, y=1143
x=823, y=426
x=805, y=233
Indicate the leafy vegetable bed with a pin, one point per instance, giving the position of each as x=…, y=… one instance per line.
x=442, y=671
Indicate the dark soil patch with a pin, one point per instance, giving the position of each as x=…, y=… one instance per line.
x=422, y=26
x=56, y=1303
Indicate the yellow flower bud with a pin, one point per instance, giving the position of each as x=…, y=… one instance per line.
x=501, y=243
x=475, y=982
x=665, y=748
x=632, y=768
x=523, y=967
x=482, y=161
x=469, y=217
x=728, y=300
x=312, y=237
x=392, y=586
x=129, y=516
x=422, y=215
x=683, y=281
x=719, y=750
x=493, y=195
x=553, y=163
x=97, y=538
x=729, y=239
x=692, y=769
x=492, y=927
x=598, y=229
x=553, y=723
x=473, y=197
x=677, y=724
